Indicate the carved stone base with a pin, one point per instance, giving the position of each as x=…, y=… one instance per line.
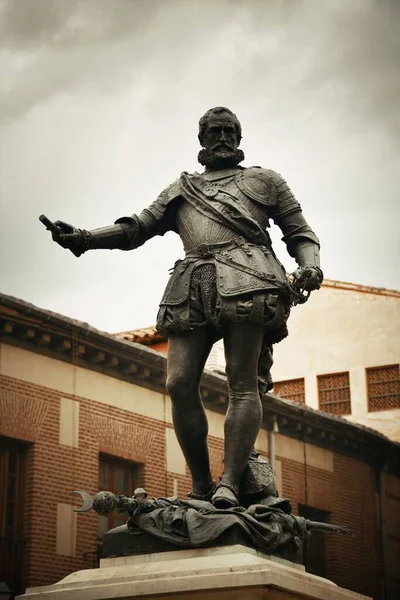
x=224, y=573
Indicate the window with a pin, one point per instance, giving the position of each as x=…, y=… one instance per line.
x=383, y=385
x=120, y=477
x=334, y=393
x=314, y=556
x=292, y=389
x=12, y=499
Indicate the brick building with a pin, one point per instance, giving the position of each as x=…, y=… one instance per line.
x=82, y=409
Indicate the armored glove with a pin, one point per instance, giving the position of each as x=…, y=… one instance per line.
x=69, y=237
x=307, y=278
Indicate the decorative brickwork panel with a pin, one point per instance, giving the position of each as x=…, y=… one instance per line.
x=291, y=389
x=113, y=434
x=21, y=417
x=334, y=393
x=383, y=384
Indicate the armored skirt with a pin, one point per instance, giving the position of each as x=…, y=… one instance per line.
x=205, y=306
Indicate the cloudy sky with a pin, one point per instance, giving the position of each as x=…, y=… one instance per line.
x=100, y=101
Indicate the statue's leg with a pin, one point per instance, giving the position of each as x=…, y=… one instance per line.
x=243, y=343
x=187, y=354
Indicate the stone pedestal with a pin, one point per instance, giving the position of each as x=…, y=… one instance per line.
x=224, y=573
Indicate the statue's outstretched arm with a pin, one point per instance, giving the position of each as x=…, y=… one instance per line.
x=127, y=233
x=79, y=241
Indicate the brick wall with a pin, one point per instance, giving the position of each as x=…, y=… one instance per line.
x=31, y=413
x=348, y=494
x=340, y=485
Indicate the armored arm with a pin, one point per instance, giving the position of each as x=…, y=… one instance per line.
x=127, y=233
x=79, y=241
x=156, y=219
x=300, y=239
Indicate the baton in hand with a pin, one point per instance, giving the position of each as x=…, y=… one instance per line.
x=49, y=225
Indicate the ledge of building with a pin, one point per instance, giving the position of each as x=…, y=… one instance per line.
x=358, y=287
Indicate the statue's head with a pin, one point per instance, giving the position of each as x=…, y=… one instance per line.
x=220, y=133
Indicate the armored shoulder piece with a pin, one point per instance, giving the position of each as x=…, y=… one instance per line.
x=156, y=219
x=286, y=202
x=157, y=209
x=269, y=188
x=258, y=185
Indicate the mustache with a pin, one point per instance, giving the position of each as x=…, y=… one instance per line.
x=222, y=146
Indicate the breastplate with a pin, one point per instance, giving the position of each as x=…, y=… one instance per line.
x=196, y=228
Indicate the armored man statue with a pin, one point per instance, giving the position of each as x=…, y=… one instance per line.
x=230, y=285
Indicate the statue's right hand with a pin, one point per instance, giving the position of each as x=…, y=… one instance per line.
x=69, y=237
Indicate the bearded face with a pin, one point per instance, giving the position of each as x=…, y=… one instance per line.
x=220, y=144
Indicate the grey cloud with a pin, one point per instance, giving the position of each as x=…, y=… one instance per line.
x=91, y=89
x=347, y=52
x=26, y=24
x=50, y=48
x=362, y=49
x=64, y=23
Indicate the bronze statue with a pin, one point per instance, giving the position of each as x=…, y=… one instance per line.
x=230, y=285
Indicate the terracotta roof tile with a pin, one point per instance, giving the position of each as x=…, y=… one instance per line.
x=144, y=335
